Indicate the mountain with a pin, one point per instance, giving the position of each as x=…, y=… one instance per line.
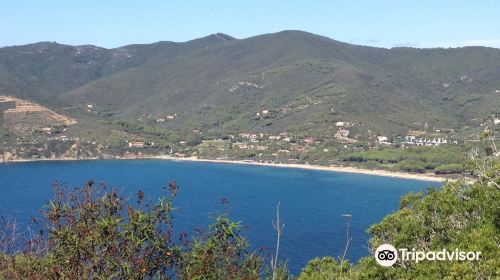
x=286, y=81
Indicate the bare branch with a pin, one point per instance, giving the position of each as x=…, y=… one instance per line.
x=279, y=229
x=347, y=242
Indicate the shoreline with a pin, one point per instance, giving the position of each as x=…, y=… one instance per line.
x=332, y=168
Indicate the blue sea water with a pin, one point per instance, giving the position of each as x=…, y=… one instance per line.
x=312, y=202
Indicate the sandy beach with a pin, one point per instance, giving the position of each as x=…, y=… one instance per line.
x=385, y=173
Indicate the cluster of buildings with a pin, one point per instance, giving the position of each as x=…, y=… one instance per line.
x=259, y=141
x=343, y=132
x=416, y=141
x=256, y=138
x=283, y=136
x=412, y=140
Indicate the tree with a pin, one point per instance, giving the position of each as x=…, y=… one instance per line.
x=460, y=215
x=326, y=268
x=220, y=253
x=96, y=233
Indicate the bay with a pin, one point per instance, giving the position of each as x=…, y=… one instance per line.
x=312, y=202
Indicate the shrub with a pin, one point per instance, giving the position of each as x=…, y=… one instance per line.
x=449, y=169
x=95, y=233
x=326, y=268
x=411, y=166
x=101, y=235
x=220, y=253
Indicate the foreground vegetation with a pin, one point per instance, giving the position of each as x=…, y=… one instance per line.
x=95, y=233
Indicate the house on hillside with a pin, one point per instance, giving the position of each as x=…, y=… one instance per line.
x=412, y=140
x=309, y=140
x=245, y=135
x=342, y=133
x=343, y=124
x=383, y=140
x=136, y=144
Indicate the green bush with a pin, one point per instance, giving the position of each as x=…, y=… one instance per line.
x=101, y=235
x=95, y=233
x=414, y=159
x=454, y=217
x=412, y=166
x=325, y=269
x=449, y=169
x=221, y=253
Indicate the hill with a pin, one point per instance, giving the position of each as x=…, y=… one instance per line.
x=289, y=81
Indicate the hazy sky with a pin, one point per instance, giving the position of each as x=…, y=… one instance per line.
x=383, y=23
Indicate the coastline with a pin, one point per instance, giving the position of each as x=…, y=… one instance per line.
x=334, y=168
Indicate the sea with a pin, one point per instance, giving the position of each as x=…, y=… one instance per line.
x=317, y=208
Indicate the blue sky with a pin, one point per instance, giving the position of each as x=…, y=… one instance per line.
x=382, y=23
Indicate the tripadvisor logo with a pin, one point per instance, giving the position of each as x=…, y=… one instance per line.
x=387, y=255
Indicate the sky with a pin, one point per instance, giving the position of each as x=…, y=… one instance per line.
x=380, y=23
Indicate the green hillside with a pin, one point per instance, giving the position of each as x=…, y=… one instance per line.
x=290, y=81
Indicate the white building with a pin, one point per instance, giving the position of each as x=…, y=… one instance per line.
x=383, y=140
